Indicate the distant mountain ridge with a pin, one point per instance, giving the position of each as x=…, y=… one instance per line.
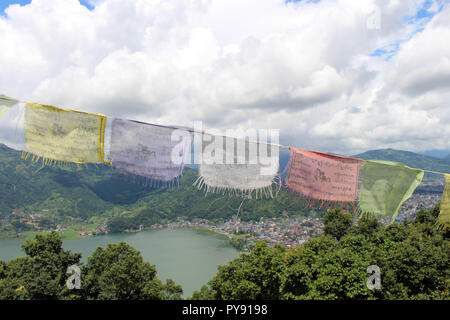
x=441, y=154
x=411, y=159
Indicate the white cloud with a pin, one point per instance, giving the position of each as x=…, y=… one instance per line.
x=301, y=67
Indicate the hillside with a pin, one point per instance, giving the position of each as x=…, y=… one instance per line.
x=82, y=193
x=94, y=195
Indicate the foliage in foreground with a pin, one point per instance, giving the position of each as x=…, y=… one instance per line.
x=115, y=272
x=413, y=258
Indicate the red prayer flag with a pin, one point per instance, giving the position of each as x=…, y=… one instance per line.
x=322, y=176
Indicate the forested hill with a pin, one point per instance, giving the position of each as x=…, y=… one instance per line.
x=102, y=192
x=24, y=184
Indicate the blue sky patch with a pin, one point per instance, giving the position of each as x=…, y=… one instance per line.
x=420, y=20
x=426, y=12
x=388, y=52
x=378, y=52
x=7, y=3
x=87, y=4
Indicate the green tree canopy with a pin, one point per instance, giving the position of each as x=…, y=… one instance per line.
x=413, y=258
x=337, y=223
x=256, y=275
x=40, y=275
x=117, y=272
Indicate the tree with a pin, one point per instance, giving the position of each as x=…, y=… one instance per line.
x=12, y=279
x=40, y=275
x=254, y=276
x=412, y=255
x=414, y=260
x=368, y=225
x=424, y=216
x=436, y=210
x=172, y=291
x=337, y=223
x=205, y=293
x=119, y=272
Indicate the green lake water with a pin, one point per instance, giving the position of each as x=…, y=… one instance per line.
x=187, y=256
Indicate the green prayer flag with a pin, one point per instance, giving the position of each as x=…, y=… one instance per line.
x=385, y=186
x=444, y=214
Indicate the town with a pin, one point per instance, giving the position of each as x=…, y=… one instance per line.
x=288, y=232
x=284, y=230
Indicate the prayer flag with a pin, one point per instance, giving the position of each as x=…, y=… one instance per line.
x=319, y=176
x=154, y=152
x=63, y=136
x=444, y=214
x=233, y=166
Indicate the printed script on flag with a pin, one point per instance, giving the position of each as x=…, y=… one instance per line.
x=147, y=150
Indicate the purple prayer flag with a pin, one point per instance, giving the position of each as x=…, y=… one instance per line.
x=148, y=150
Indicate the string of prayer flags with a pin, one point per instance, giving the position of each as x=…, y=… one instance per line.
x=237, y=167
x=153, y=152
x=229, y=165
x=61, y=137
x=322, y=179
x=385, y=186
x=444, y=214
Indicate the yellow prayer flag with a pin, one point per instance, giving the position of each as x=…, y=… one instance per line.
x=64, y=135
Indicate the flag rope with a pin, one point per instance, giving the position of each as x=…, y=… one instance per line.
x=245, y=140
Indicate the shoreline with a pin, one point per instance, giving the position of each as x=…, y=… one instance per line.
x=204, y=230
x=242, y=235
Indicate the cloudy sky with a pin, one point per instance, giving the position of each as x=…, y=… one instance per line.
x=336, y=76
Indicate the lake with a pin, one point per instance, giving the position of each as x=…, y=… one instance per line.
x=188, y=256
